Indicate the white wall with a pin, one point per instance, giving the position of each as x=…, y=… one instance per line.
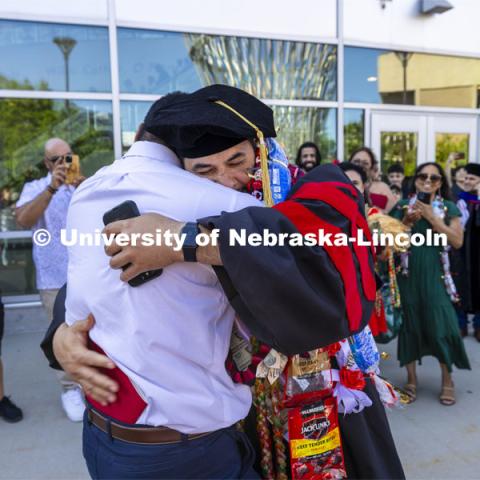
x=401, y=25
x=55, y=10
x=302, y=19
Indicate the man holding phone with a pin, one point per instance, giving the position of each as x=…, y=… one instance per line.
x=43, y=204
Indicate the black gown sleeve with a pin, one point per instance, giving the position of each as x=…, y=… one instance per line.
x=290, y=297
x=57, y=320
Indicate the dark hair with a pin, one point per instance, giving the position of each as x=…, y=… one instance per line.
x=395, y=189
x=348, y=167
x=318, y=155
x=396, y=167
x=369, y=152
x=444, y=189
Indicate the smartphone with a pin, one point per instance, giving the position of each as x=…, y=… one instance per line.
x=129, y=209
x=460, y=156
x=73, y=168
x=423, y=197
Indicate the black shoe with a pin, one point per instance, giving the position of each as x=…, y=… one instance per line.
x=9, y=411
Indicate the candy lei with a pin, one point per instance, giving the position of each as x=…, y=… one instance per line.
x=278, y=438
x=439, y=209
x=263, y=428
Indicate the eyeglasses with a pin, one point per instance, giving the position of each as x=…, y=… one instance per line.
x=423, y=177
x=68, y=158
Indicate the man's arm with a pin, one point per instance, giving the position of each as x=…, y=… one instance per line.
x=28, y=215
x=66, y=348
x=292, y=298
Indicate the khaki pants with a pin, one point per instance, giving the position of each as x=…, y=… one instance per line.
x=48, y=297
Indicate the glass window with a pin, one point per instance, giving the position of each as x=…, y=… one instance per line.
x=50, y=56
x=399, y=147
x=25, y=126
x=131, y=114
x=296, y=125
x=160, y=62
x=446, y=143
x=393, y=77
x=17, y=270
x=353, y=130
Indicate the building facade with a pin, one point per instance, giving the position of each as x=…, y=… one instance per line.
x=342, y=73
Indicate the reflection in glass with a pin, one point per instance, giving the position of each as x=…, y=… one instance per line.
x=132, y=115
x=382, y=76
x=161, y=62
x=399, y=147
x=25, y=126
x=296, y=125
x=353, y=130
x=446, y=143
x=50, y=56
x=17, y=272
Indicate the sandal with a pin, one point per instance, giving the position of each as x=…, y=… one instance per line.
x=447, y=399
x=410, y=391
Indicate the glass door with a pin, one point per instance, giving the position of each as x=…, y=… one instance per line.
x=450, y=133
x=398, y=138
x=412, y=139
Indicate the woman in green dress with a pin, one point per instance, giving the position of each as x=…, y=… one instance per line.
x=430, y=324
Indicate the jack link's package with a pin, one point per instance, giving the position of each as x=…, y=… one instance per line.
x=315, y=445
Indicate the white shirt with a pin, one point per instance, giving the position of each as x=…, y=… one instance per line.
x=51, y=259
x=171, y=335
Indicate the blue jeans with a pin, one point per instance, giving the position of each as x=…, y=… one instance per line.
x=225, y=454
x=463, y=320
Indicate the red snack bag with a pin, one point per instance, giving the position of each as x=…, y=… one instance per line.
x=315, y=445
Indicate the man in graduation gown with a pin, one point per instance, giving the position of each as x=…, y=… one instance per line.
x=292, y=298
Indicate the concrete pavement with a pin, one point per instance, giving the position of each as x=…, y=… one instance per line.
x=434, y=442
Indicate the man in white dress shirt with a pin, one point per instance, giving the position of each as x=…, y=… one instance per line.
x=169, y=337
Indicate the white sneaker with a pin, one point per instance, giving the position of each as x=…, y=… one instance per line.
x=72, y=402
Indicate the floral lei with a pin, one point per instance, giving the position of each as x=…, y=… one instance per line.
x=439, y=210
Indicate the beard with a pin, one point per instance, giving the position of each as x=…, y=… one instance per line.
x=309, y=165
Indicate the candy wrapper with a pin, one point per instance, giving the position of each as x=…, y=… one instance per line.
x=315, y=445
x=308, y=374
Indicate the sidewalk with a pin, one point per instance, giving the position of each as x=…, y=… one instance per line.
x=434, y=442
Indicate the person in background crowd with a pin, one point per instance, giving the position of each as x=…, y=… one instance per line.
x=357, y=176
x=43, y=204
x=379, y=192
x=468, y=278
x=397, y=192
x=429, y=321
x=455, y=176
x=8, y=410
x=396, y=178
x=308, y=156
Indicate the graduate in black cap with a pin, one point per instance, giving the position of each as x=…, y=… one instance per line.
x=294, y=299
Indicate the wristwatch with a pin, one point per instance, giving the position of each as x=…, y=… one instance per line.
x=191, y=230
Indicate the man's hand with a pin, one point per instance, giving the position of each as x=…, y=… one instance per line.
x=78, y=181
x=425, y=210
x=59, y=175
x=141, y=258
x=70, y=349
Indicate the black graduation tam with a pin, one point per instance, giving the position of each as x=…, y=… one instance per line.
x=473, y=169
x=194, y=125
